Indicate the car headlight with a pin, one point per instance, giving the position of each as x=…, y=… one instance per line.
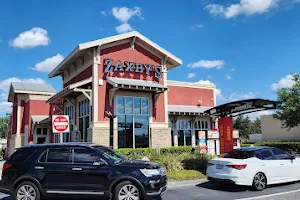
x=150, y=172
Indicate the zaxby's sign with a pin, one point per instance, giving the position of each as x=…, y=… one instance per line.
x=132, y=67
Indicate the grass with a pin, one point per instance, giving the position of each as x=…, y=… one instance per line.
x=181, y=175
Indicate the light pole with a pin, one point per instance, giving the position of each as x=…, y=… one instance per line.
x=111, y=127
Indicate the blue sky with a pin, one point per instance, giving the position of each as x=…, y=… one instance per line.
x=247, y=48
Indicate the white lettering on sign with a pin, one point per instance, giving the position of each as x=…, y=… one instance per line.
x=132, y=67
x=60, y=123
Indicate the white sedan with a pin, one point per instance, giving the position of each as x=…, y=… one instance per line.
x=254, y=166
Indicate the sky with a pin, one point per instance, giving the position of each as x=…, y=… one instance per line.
x=247, y=48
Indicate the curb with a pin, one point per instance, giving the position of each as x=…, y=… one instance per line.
x=186, y=183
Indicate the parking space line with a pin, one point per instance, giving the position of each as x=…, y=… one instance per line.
x=270, y=195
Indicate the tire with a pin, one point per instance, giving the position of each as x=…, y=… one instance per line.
x=127, y=189
x=259, y=182
x=31, y=189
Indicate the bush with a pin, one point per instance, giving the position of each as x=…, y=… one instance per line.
x=291, y=147
x=184, y=175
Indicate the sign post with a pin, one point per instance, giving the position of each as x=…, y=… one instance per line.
x=60, y=124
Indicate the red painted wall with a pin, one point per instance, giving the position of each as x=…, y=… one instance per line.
x=124, y=53
x=190, y=96
x=14, y=110
x=87, y=73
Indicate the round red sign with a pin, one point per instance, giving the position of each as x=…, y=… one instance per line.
x=60, y=123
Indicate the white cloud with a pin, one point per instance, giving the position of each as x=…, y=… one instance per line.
x=204, y=82
x=4, y=84
x=228, y=76
x=244, y=7
x=239, y=96
x=197, y=26
x=219, y=94
x=5, y=107
x=49, y=64
x=285, y=82
x=124, y=14
x=124, y=28
x=30, y=39
x=207, y=64
x=103, y=13
x=192, y=75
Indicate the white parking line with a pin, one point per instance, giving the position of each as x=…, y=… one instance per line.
x=270, y=195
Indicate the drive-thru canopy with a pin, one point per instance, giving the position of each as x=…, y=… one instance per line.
x=236, y=108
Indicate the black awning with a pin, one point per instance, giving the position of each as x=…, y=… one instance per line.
x=243, y=107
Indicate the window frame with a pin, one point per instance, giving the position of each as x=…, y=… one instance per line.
x=47, y=155
x=72, y=153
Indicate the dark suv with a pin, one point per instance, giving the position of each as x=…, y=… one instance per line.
x=36, y=171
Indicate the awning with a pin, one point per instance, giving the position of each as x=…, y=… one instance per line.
x=187, y=110
x=135, y=84
x=70, y=89
x=39, y=118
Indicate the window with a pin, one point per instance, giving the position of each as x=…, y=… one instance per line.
x=84, y=118
x=133, y=122
x=184, y=132
x=279, y=154
x=21, y=154
x=59, y=155
x=41, y=135
x=83, y=155
x=171, y=122
x=200, y=125
x=266, y=155
x=236, y=154
x=56, y=138
x=69, y=110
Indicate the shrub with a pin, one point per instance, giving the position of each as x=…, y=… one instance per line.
x=291, y=147
x=184, y=175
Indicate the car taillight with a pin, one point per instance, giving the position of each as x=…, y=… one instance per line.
x=239, y=167
x=5, y=167
x=209, y=164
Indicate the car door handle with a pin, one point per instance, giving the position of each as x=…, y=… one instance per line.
x=38, y=167
x=76, y=169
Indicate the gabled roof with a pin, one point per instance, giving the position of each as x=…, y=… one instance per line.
x=29, y=88
x=134, y=36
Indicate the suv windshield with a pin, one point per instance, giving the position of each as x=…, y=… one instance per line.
x=111, y=158
x=240, y=154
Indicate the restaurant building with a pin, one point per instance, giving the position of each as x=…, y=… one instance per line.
x=125, y=74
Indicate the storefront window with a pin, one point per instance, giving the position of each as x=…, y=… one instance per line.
x=200, y=125
x=41, y=135
x=184, y=132
x=133, y=122
x=172, y=131
x=83, y=118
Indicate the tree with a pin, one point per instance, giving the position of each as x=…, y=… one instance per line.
x=4, y=126
x=245, y=126
x=289, y=112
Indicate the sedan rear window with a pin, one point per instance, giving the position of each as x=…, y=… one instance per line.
x=238, y=154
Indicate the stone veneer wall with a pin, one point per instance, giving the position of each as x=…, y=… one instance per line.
x=161, y=137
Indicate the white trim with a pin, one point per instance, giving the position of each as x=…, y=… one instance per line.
x=81, y=83
x=33, y=92
x=26, y=135
x=95, y=83
x=18, y=117
x=36, y=97
x=112, y=39
x=79, y=70
x=191, y=85
x=35, y=136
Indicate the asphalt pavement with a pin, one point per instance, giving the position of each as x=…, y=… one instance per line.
x=204, y=190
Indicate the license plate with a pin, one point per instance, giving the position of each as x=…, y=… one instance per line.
x=219, y=166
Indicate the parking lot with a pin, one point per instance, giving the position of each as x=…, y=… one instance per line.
x=203, y=190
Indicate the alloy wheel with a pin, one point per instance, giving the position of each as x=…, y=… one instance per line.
x=129, y=192
x=260, y=181
x=26, y=192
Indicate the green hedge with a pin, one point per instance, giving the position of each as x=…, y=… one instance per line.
x=141, y=152
x=291, y=147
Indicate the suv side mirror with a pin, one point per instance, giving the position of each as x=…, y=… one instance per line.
x=99, y=163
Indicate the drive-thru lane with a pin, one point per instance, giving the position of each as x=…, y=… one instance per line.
x=207, y=191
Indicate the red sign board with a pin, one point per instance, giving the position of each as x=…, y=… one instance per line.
x=226, y=134
x=60, y=123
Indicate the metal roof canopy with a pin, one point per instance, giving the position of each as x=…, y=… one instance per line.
x=247, y=106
